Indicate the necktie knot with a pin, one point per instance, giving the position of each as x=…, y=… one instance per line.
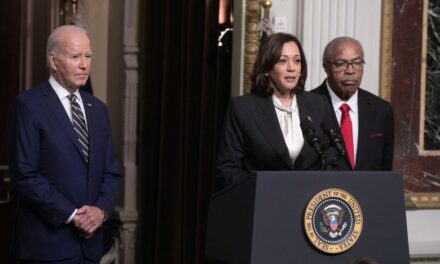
x=72, y=98
x=344, y=108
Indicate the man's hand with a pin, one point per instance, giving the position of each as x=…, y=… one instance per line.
x=88, y=219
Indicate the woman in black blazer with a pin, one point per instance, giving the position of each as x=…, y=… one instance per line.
x=262, y=130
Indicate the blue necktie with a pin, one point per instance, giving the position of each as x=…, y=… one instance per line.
x=79, y=125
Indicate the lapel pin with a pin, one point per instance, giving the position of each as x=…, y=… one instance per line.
x=89, y=104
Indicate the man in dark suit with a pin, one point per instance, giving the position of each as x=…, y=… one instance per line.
x=366, y=121
x=62, y=161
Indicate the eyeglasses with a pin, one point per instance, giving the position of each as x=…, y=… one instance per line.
x=342, y=65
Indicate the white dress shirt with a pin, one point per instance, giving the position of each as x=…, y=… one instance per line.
x=354, y=113
x=63, y=95
x=290, y=126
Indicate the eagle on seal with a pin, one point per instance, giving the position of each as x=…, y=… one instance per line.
x=332, y=216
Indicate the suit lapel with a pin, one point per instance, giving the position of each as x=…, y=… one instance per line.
x=92, y=121
x=322, y=90
x=266, y=119
x=55, y=105
x=364, y=108
x=306, y=152
x=302, y=107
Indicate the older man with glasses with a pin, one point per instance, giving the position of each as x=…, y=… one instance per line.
x=366, y=121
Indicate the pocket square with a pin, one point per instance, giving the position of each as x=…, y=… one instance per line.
x=377, y=135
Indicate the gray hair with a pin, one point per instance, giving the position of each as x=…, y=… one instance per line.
x=56, y=36
x=328, y=51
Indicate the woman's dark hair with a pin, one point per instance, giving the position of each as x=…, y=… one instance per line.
x=268, y=55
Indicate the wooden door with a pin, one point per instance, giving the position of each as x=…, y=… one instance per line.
x=10, y=29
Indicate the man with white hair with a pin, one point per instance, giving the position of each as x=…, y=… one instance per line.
x=62, y=161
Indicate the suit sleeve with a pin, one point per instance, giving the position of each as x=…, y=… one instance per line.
x=23, y=136
x=388, y=152
x=111, y=178
x=230, y=165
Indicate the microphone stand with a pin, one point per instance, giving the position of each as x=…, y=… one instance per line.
x=323, y=161
x=309, y=133
x=335, y=141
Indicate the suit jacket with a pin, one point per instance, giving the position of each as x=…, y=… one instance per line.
x=376, y=132
x=252, y=139
x=52, y=177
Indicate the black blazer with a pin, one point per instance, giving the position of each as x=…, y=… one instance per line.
x=376, y=132
x=252, y=139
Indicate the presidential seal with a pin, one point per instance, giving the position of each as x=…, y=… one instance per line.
x=333, y=221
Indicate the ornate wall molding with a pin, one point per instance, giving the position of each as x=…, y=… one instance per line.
x=128, y=212
x=429, y=137
x=386, y=50
x=251, y=40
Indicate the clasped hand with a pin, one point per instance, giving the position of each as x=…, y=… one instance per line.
x=88, y=219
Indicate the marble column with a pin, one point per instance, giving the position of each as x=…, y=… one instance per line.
x=409, y=92
x=128, y=211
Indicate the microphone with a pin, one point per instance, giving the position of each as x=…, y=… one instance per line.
x=309, y=133
x=334, y=136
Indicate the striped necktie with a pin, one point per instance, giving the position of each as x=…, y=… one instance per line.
x=79, y=125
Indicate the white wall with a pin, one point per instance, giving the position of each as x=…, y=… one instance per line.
x=316, y=22
x=423, y=231
x=95, y=16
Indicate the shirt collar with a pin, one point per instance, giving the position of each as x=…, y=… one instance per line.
x=279, y=105
x=337, y=102
x=61, y=91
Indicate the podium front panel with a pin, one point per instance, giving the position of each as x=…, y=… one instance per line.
x=281, y=199
x=260, y=220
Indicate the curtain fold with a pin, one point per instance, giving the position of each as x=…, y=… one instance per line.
x=181, y=114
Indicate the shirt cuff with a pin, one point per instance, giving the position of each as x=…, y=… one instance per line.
x=71, y=217
x=105, y=215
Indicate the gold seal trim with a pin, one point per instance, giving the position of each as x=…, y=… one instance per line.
x=331, y=203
